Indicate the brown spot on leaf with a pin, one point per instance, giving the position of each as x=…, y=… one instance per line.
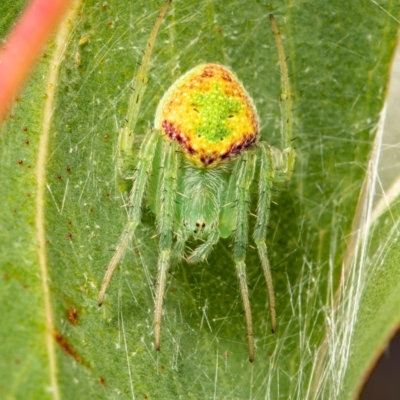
x=72, y=315
x=67, y=347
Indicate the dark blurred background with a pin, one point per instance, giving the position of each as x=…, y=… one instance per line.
x=384, y=382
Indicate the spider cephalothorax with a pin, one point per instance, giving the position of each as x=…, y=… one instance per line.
x=196, y=168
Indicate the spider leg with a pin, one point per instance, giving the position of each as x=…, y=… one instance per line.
x=140, y=180
x=260, y=231
x=244, y=180
x=146, y=154
x=286, y=104
x=201, y=252
x=179, y=246
x=138, y=85
x=165, y=207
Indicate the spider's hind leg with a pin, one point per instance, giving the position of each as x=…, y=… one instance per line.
x=260, y=230
x=285, y=167
x=138, y=86
x=145, y=157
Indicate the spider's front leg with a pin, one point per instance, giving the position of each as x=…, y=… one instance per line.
x=244, y=179
x=165, y=214
x=140, y=180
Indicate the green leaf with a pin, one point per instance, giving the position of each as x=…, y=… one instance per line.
x=376, y=299
x=56, y=342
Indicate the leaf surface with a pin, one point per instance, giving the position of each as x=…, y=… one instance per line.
x=339, y=56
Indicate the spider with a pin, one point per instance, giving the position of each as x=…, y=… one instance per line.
x=195, y=170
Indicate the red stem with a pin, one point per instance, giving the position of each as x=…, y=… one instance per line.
x=25, y=44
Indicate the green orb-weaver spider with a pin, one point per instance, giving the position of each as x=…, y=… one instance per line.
x=196, y=168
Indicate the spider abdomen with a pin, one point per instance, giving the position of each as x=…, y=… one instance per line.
x=210, y=114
